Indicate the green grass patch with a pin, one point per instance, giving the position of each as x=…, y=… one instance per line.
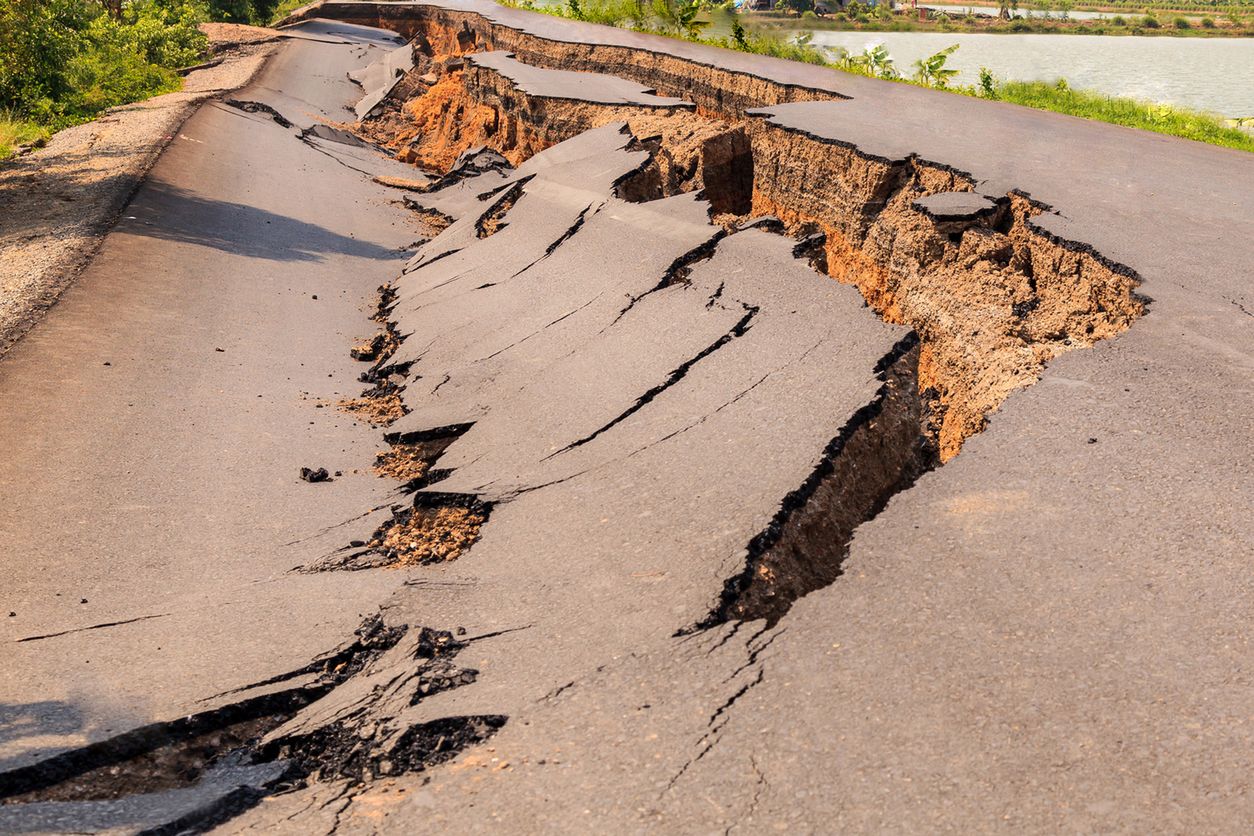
x=15, y=132
x=1163, y=119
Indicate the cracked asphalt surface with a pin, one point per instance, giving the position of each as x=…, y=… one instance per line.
x=154, y=424
x=1050, y=632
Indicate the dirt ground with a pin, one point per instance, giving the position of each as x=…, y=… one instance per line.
x=57, y=202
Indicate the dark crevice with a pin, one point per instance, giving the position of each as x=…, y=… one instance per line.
x=340, y=752
x=676, y=273
x=879, y=452
x=565, y=236
x=357, y=749
x=177, y=753
x=93, y=627
x=493, y=220
x=716, y=295
x=674, y=377
x=259, y=107
x=435, y=528
x=433, y=260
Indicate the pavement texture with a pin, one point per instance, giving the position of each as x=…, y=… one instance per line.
x=57, y=202
x=714, y=580
x=156, y=422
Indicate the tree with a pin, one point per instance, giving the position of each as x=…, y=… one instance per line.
x=879, y=62
x=1004, y=7
x=232, y=11
x=38, y=40
x=932, y=70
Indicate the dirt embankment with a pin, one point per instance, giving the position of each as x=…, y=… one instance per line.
x=57, y=202
x=991, y=297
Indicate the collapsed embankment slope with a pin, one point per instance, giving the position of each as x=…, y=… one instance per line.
x=1019, y=636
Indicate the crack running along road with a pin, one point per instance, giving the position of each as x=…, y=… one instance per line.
x=167, y=480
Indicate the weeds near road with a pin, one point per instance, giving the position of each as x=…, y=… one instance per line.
x=1162, y=119
x=15, y=132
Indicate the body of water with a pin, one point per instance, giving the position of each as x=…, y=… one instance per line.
x=1212, y=74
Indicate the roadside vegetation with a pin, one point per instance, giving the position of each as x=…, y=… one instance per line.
x=63, y=62
x=695, y=20
x=283, y=8
x=1048, y=17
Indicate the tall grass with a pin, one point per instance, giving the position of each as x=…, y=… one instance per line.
x=15, y=132
x=1163, y=119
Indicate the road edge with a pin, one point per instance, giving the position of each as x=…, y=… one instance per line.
x=37, y=265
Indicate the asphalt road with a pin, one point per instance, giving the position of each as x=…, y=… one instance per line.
x=154, y=424
x=1051, y=632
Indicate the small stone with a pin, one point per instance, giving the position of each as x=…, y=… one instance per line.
x=310, y=474
x=82, y=600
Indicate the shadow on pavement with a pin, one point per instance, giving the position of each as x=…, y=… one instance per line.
x=175, y=214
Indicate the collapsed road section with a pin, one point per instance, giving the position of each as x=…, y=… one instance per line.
x=752, y=456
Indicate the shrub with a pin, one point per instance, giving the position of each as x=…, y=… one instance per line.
x=1118, y=20
x=1150, y=22
x=164, y=31
x=1181, y=23
x=63, y=61
x=1208, y=23
x=988, y=84
x=111, y=73
x=233, y=11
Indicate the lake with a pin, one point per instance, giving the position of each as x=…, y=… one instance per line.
x=1212, y=74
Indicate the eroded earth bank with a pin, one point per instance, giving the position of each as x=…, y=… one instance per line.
x=759, y=449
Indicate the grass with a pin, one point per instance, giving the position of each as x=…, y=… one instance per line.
x=15, y=132
x=1173, y=121
x=1057, y=98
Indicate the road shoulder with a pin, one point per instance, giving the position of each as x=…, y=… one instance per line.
x=58, y=202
